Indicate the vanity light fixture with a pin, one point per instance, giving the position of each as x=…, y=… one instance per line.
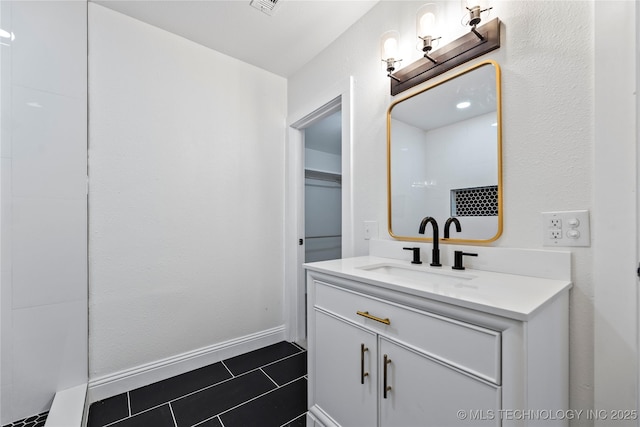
x=477, y=42
x=474, y=16
x=427, y=28
x=389, y=51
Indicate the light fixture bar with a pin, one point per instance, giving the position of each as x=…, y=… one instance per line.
x=447, y=57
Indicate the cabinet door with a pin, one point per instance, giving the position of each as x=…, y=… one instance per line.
x=345, y=378
x=425, y=392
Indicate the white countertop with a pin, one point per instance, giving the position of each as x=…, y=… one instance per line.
x=508, y=295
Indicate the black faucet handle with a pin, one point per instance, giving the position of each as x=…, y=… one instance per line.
x=416, y=255
x=457, y=259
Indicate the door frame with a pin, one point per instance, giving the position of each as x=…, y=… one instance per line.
x=339, y=97
x=615, y=211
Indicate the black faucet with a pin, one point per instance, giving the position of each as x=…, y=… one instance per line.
x=447, y=225
x=457, y=259
x=416, y=255
x=435, y=252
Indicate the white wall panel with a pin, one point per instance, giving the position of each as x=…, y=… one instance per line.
x=49, y=157
x=49, y=251
x=50, y=47
x=44, y=204
x=45, y=342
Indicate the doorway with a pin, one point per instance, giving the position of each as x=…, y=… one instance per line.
x=337, y=101
x=323, y=189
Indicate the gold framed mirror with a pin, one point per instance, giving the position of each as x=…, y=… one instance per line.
x=444, y=157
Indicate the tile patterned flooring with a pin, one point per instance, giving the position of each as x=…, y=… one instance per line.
x=265, y=387
x=35, y=421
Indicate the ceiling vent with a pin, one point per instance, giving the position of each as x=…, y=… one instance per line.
x=265, y=6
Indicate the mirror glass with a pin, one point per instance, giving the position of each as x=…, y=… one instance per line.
x=444, y=157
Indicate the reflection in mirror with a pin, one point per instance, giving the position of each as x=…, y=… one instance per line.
x=444, y=157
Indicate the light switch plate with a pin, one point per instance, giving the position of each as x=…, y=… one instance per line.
x=370, y=230
x=566, y=228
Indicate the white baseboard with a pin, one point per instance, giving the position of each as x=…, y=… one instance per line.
x=149, y=373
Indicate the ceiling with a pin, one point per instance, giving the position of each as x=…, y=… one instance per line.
x=436, y=107
x=282, y=43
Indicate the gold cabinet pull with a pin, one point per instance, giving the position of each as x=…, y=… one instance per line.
x=385, y=387
x=362, y=372
x=366, y=314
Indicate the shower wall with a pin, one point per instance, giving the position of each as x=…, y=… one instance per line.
x=43, y=312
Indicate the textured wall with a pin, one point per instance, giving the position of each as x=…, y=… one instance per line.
x=547, y=66
x=186, y=202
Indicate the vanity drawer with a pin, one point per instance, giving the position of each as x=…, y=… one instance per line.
x=469, y=347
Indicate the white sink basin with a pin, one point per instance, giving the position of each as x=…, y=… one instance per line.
x=419, y=273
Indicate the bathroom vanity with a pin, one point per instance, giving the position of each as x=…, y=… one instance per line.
x=393, y=344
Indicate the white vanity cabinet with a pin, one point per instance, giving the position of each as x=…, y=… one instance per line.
x=379, y=356
x=424, y=391
x=346, y=359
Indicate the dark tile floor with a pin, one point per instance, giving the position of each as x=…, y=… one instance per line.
x=266, y=387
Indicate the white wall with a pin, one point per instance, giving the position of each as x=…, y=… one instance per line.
x=44, y=204
x=547, y=81
x=186, y=197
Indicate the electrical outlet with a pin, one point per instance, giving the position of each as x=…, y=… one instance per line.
x=566, y=228
x=555, y=223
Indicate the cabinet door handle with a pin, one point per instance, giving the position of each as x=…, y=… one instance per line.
x=362, y=372
x=366, y=314
x=385, y=387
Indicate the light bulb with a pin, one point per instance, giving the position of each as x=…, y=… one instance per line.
x=389, y=45
x=427, y=20
x=390, y=48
